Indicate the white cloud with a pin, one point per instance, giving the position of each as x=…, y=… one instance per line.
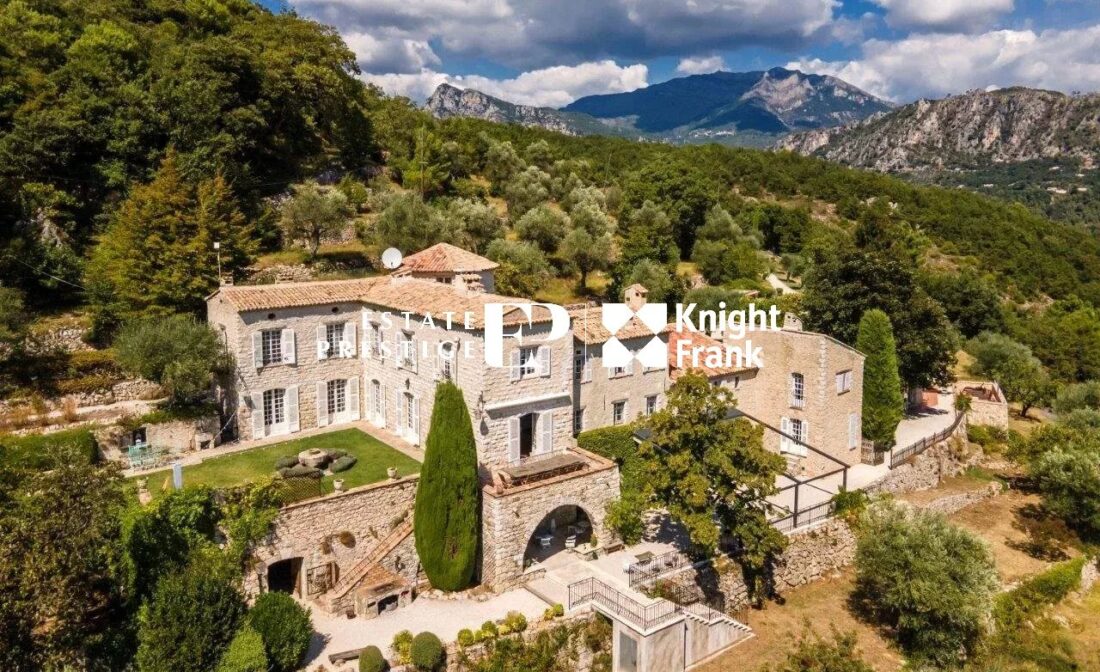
x=936, y=65
x=547, y=87
x=700, y=65
x=944, y=15
x=393, y=54
x=528, y=34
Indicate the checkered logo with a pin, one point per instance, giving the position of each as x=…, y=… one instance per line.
x=654, y=354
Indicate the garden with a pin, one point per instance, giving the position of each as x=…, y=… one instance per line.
x=359, y=459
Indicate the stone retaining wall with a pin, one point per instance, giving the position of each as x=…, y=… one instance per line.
x=925, y=471
x=952, y=503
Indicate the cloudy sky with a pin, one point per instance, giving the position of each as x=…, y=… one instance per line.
x=550, y=52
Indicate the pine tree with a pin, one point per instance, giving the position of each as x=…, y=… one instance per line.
x=447, y=515
x=883, y=404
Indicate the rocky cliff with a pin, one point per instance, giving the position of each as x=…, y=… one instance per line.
x=963, y=132
x=449, y=101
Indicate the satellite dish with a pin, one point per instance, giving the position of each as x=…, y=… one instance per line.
x=391, y=258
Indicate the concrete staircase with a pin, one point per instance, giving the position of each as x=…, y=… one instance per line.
x=335, y=600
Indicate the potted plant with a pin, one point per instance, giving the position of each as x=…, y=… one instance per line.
x=391, y=472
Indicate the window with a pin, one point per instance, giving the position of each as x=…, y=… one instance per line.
x=798, y=430
x=651, y=404
x=334, y=334
x=407, y=355
x=844, y=382
x=582, y=366
x=337, y=396
x=446, y=361
x=527, y=434
x=272, y=346
x=374, y=341
x=376, y=399
x=410, y=413
x=618, y=412
x=274, y=406
x=798, y=390
x=528, y=362
x=617, y=371
x=578, y=421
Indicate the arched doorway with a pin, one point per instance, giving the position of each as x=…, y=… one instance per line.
x=285, y=576
x=558, y=536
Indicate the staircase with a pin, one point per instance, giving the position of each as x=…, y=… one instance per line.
x=350, y=579
x=704, y=614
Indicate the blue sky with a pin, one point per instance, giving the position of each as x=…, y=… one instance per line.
x=550, y=52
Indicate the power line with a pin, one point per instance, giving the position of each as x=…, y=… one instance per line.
x=17, y=260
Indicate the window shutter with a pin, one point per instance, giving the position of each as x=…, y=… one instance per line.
x=513, y=439
x=292, y=408
x=370, y=400
x=289, y=356
x=546, y=424
x=353, y=398
x=784, y=442
x=322, y=404
x=349, y=337
x=839, y=383
x=544, y=361
x=322, y=343
x=805, y=438
x=258, y=349
x=257, y=415
x=400, y=413
x=416, y=421
x=514, y=372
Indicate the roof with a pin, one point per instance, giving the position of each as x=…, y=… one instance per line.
x=588, y=326
x=396, y=294
x=695, y=339
x=446, y=258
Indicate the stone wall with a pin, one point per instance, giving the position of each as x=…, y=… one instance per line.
x=925, y=471
x=982, y=412
x=311, y=530
x=602, y=389
x=951, y=503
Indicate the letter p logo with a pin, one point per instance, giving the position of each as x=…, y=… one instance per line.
x=494, y=326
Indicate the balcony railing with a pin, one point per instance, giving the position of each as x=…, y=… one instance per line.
x=604, y=597
x=899, y=456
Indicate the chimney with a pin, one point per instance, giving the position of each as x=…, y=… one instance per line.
x=635, y=296
x=470, y=283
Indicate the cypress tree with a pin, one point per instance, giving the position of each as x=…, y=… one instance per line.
x=883, y=403
x=448, y=507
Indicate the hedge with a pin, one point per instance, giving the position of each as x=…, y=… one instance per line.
x=426, y=652
x=285, y=628
x=1013, y=608
x=45, y=451
x=616, y=443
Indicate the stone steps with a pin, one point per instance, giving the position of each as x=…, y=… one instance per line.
x=549, y=591
x=352, y=578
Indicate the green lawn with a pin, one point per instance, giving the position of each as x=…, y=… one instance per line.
x=373, y=456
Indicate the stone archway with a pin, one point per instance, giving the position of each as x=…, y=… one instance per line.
x=285, y=576
x=564, y=528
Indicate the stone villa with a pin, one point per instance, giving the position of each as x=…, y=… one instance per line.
x=319, y=354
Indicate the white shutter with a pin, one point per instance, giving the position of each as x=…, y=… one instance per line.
x=546, y=424
x=805, y=438
x=400, y=414
x=513, y=439
x=258, y=415
x=353, y=398
x=784, y=442
x=370, y=399
x=289, y=356
x=544, y=361
x=349, y=337
x=258, y=349
x=322, y=404
x=292, y=408
x=514, y=372
x=416, y=421
x=322, y=343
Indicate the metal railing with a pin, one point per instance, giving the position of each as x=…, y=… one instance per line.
x=640, y=573
x=607, y=598
x=899, y=456
x=804, y=517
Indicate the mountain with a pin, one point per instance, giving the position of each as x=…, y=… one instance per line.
x=448, y=101
x=1039, y=148
x=739, y=108
x=960, y=132
x=772, y=102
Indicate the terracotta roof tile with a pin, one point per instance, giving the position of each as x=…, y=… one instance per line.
x=695, y=339
x=296, y=294
x=446, y=258
x=588, y=326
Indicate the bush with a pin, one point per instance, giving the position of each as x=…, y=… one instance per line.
x=402, y=644
x=929, y=581
x=245, y=653
x=178, y=352
x=624, y=516
x=285, y=627
x=616, y=443
x=986, y=435
x=41, y=452
x=488, y=630
x=191, y=617
x=1076, y=396
x=301, y=471
x=515, y=621
x=342, y=464
x=1069, y=482
x=371, y=660
x=336, y=454
x=1015, y=607
x=426, y=652
x=466, y=637
x=850, y=503
x=814, y=653
x=286, y=462
x=447, y=512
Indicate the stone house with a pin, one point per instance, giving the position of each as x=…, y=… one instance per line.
x=987, y=402
x=446, y=263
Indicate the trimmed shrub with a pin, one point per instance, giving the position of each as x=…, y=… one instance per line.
x=488, y=630
x=466, y=637
x=372, y=660
x=515, y=621
x=883, y=404
x=336, y=454
x=285, y=627
x=245, y=652
x=286, y=462
x=402, y=644
x=447, y=499
x=342, y=464
x=301, y=471
x=426, y=652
